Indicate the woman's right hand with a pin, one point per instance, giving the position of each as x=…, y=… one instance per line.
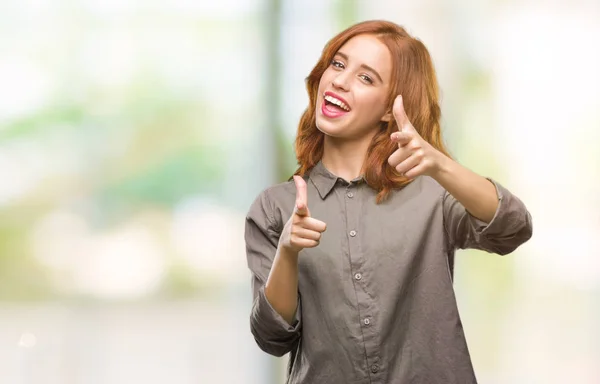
x=301, y=231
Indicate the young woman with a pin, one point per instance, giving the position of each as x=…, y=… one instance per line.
x=352, y=261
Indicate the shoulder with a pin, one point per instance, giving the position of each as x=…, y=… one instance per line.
x=276, y=195
x=270, y=201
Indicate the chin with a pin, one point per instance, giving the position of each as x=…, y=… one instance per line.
x=331, y=129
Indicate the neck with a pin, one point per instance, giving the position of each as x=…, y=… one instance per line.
x=345, y=158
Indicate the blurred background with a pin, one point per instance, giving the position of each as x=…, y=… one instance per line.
x=135, y=134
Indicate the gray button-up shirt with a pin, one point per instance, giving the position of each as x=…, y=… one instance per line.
x=376, y=300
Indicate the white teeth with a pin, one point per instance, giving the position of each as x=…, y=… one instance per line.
x=337, y=102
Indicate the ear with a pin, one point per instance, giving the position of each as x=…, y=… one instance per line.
x=388, y=117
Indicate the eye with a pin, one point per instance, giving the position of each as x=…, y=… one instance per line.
x=337, y=64
x=366, y=79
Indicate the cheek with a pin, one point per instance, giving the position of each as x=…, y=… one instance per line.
x=322, y=87
x=321, y=82
x=326, y=78
x=374, y=106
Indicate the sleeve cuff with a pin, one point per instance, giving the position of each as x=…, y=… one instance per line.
x=506, y=218
x=271, y=321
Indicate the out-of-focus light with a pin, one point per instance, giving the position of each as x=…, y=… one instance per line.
x=210, y=238
x=125, y=263
x=25, y=87
x=21, y=168
x=27, y=340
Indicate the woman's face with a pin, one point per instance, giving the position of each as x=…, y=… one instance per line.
x=353, y=91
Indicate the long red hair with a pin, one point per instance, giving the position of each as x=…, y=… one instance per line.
x=413, y=76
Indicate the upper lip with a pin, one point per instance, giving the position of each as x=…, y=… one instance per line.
x=340, y=98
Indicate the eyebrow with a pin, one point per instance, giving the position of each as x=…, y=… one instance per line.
x=365, y=66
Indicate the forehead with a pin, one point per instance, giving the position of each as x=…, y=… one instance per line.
x=370, y=51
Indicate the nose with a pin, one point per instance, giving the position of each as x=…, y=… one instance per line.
x=341, y=81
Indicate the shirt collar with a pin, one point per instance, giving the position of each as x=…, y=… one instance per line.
x=324, y=180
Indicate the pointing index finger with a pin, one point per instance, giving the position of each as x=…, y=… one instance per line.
x=301, y=206
x=399, y=113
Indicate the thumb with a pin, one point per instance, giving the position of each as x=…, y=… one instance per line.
x=400, y=115
x=301, y=206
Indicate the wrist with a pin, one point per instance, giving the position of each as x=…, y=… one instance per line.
x=442, y=168
x=288, y=253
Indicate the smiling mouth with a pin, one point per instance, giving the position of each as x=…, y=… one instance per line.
x=333, y=107
x=336, y=104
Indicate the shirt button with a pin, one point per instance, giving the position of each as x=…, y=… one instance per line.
x=358, y=276
x=367, y=321
x=352, y=233
x=374, y=368
x=350, y=194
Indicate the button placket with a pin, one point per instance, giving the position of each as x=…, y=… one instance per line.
x=358, y=265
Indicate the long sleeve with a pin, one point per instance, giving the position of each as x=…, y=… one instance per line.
x=272, y=333
x=510, y=227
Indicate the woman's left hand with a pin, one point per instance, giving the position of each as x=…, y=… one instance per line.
x=414, y=156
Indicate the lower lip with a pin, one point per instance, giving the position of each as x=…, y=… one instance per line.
x=329, y=113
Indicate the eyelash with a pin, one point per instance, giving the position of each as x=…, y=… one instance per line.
x=335, y=63
x=338, y=64
x=367, y=79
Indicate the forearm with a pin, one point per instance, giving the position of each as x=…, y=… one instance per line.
x=281, y=288
x=476, y=193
